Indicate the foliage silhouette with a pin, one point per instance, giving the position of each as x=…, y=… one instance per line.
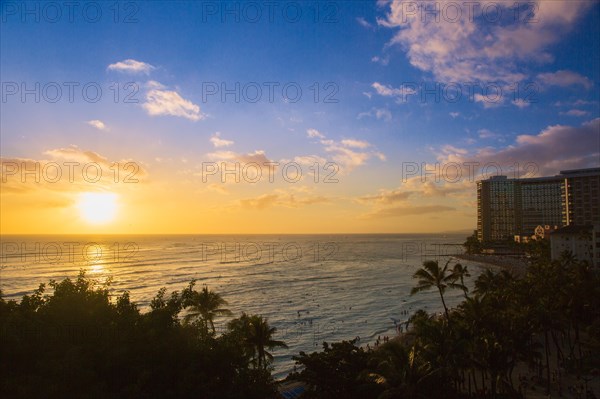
x=76, y=342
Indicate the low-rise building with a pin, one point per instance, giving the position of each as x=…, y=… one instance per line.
x=539, y=233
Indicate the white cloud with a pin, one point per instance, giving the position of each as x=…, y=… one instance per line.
x=379, y=113
x=310, y=160
x=153, y=84
x=312, y=133
x=348, y=153
x=381, y=156
x=565, y=79
x=384, y=114
x=519, y=102
x=555, y=148
x=131, y=66
x=454, y=115
x=575, y=112
x=577, y=103
x=450, y=149
x=257, y=156
x=98, y=124
x=488, y=101
x=356, y=143
x=217, y=141
x=346, y=158
x=160, y=101
x=399, y=93
x=385, y=60
x=474, y=49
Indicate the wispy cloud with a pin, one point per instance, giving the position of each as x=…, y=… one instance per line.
x=383, y=60
x=488, y=102
x=555, y=148
x=283, y=198
x=386, y=197
x=98, y=124
x=89, y=170
x=314, y=133
x=131, y=66
x=519, y=102
x=379, y=113
x=407, y=210
x=74, y=153
x=575, y=112
x=217, y=141
x=399, y=93
x=347, y=153
x=364, y=23
x=356, y=143
x=486, y=134
x=259, y=157
x=565, y=79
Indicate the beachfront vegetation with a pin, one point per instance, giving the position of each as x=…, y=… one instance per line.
x=72, y=340
x=431, y=275
x=544, y=325
x=472, y=244
x=76, y=343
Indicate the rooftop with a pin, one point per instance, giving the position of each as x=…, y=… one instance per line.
x=563, y=174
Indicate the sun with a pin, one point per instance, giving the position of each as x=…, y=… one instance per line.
x=97, y=208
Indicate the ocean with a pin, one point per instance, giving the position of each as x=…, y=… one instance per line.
x=312, y=288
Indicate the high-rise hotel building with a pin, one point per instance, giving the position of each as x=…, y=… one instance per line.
x=508, y=207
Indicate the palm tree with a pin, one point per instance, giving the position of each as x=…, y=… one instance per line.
x=489, y=282
x=472, y=244
x=460, y=272
x=399, y=370
x=430, y=275
x=258, y=337
x=471, y=314
x=205, y=305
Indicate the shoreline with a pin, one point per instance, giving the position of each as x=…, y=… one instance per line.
x=515, y=265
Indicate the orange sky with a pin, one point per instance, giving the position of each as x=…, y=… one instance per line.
x=178, y=201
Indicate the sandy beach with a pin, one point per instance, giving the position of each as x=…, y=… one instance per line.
x=516, y=265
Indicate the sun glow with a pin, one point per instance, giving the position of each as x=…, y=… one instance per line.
x=97, y=208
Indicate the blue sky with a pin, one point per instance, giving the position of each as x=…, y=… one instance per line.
x=372, y=58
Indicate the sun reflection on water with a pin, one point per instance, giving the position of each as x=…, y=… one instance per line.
x=96, y=257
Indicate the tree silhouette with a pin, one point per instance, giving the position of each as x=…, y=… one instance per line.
x=431, y=275
x=257, y=335
x=205, y=305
